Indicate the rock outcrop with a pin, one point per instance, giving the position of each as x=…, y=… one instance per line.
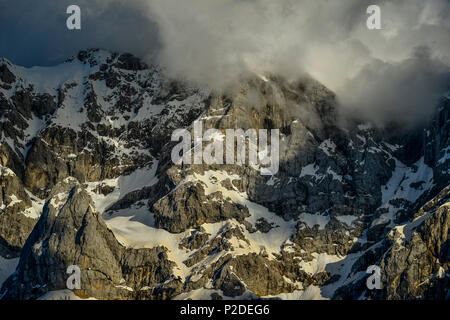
x=71, y=232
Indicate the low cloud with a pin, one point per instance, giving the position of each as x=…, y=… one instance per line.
x=393, y=74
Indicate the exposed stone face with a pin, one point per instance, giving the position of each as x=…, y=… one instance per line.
x=414, y=258
x=14, y=226
x=127, y=61
x=63, y=153
x=6, y=76
x=10, y=159
x=196, y=240
x=259, y=275
x=343, y=199
x=335, y=239
x=437, y=140
x=189, y=207
x=420, y=266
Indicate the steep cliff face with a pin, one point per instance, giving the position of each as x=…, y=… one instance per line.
x=414, y=258
x=18, y=215
x=86, y=160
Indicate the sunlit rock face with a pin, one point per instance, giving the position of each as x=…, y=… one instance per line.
x=87, y=179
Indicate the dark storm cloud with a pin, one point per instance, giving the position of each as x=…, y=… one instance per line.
x=35, y=33
x=380, y=75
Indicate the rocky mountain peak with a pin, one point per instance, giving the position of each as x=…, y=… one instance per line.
x=87, y=179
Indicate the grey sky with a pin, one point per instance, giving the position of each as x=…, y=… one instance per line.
x=34, y=32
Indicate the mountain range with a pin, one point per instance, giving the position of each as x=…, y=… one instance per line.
x=86, y=179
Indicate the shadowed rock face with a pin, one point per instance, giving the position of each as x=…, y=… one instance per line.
x=188, y=207
x=6, y=76
x=415, y=267
x=414, y=258
x=437, y=138
x=343, y=199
